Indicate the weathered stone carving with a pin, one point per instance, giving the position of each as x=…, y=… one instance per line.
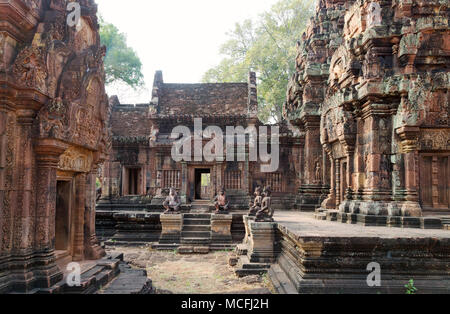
x=384, y=115
x=55, y=111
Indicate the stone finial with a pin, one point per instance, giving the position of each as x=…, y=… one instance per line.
x=158, y=78
x=114, y=101
x=157, y=82
x=252, y=95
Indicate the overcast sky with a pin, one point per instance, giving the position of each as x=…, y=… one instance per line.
x=180, y=37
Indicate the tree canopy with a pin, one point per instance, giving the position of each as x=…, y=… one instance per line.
x=268, y=47
x=122, y=65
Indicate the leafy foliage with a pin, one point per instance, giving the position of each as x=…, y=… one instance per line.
x=268, y=47
x=410, y=288
x=121, y=62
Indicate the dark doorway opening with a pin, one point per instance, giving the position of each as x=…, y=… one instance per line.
x=62, y=223
x=133, y=176
x=202, y=184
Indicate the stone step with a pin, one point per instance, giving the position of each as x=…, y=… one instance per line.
x=129, y=281
x=196, y=241
x=245, y=268
x=280, y=281
x=321, y=216
x=189, y=249
x=196, y=234
x=197, y=228
x=197, y=216
x=197, y=221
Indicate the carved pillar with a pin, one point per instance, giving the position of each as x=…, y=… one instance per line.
x=409, y=137
x=7, y=126
x=78, y=214
x=184, y=183
x=337, y=166
x=23, y=219
x=245, y=186
x=92, y=247
x=47, y=157
x=330, y=202
x=219, y=179
x=312, y=149
x=311, y=191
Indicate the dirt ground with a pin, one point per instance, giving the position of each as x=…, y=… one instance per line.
x=192, y=274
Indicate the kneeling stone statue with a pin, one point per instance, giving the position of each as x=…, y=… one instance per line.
x=265, y=214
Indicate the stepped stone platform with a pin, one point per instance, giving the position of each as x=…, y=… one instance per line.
x=136, y=228
x=428, y=222
x=319, y=256
x=325, y=257
x=196, y=233
x=97, y=274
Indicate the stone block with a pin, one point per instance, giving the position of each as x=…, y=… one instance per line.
x=221, y=228
x=171, y=229
x=262, y=242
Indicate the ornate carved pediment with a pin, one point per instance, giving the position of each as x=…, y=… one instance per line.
x=76, y=160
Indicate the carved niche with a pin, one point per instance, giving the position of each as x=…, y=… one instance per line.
x=29, y=68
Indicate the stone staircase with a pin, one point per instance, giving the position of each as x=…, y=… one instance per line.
x=243, y=266
x=446, y=222
x=196, y=233
x=129, y=281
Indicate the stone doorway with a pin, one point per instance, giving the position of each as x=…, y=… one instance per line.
x=202, y=184
x=63, y=220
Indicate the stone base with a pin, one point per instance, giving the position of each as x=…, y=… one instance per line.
x=260, y=241
x=221, y=228
x=171, y=229
x=383, y=221
x=338, y=265
x=310, y=198
x=28, y=272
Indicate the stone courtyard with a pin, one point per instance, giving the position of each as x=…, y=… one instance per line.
x=172, y=273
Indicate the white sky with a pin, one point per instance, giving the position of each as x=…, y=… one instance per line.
x=180, y=37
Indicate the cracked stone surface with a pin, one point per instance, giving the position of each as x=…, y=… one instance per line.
x=192, y=274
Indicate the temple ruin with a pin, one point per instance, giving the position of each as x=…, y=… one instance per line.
x=364, y=157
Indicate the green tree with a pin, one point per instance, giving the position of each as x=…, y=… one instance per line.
x=268, y=47
x=121, y=62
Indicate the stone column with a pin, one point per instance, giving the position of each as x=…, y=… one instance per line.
x=78, y=216
x=337, y=185
x=330, y=201
x=92, y=248
x=409, y=137
x=47, y=152
x=311, y=186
